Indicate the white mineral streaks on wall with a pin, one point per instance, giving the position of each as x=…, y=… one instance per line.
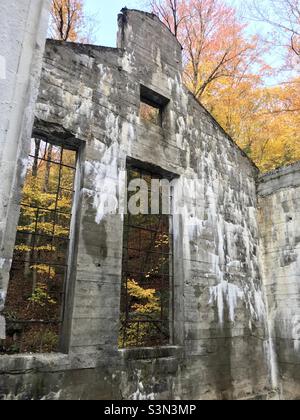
x=106, y=80
x=128, y=134
x=52, y=396
x=2, y=299
x=186, y=194
x=269, y=345
x=112, y=127
x=2, y=262
x=296, y=332
x=180, y=140
x=2, y=328
x=272, y=361
x=260, y=305
x=104, y=175
x=128, y=62
x=226, y=295
x=229, y=293
x=180, y=92
x=24, y=167
x=270, y=351
x=140, y=394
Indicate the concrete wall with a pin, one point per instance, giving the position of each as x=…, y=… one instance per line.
x=221, y=347
x=279, y=204
x=22, y=40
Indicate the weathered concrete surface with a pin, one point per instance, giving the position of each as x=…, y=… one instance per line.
x=220, y=317
x=280, y=246
x=22, y=40
x=222, y=347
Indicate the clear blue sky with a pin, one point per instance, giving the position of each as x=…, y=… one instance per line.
x=106, y=12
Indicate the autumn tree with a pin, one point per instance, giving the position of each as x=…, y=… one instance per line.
x=171, y=12
x=263, y=120
x=226, y=71
x=212, y=38
x=215, y=46
x=280, y=120
x=70, y=22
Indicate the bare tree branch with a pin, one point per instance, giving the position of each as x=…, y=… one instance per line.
x=283, y=15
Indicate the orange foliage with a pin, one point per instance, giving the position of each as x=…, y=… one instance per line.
x=67, y=19
x=224, y=69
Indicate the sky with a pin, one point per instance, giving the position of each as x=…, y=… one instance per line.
x=106, y=12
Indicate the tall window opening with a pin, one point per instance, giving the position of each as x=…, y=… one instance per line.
x=147, y=277
x=34, y=307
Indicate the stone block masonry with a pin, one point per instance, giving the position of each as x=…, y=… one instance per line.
x=228, y=329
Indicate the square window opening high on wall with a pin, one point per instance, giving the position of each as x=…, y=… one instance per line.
x=147, y=292
x=34, y=309
x=152, y=106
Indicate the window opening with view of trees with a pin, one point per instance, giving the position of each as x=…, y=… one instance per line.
x=152, y=106
x=150, y=113
x=147, y=278
x=34, y=308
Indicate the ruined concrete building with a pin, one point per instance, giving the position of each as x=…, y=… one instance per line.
x=201, y=303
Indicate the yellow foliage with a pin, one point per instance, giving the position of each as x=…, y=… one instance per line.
x=41, y=296
x=163, y=240
x=264, y=121
x=27, y=248
x=152, y=303
x=44, y=269
x=148, y=308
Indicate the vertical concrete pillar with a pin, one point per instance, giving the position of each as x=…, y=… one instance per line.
x=23, y=30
